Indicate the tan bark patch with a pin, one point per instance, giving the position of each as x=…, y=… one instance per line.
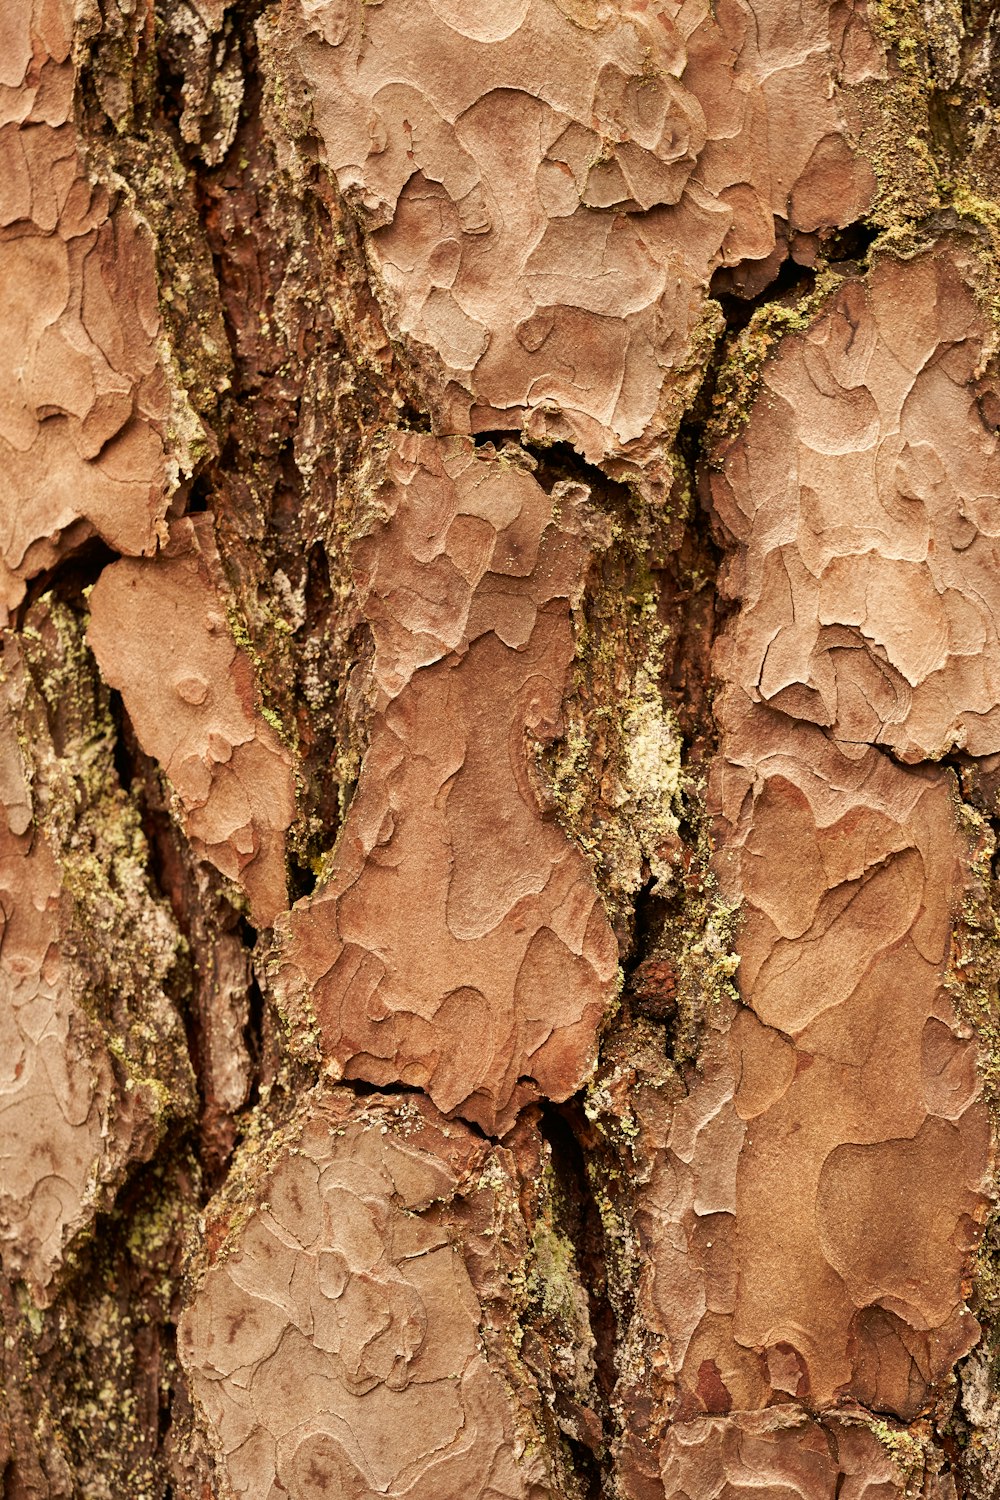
x=334, y=1345
x=549, y=187
x=459, y=944
x=84, y=400
x=860, y=1144
x=160, y=633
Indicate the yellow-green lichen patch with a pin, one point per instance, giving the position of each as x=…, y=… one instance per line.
x=553, y=1289
x=911, y=1449
x=974, y=982
x=975, y=1424
x=974, y=969
x=276, y=630
x=986, y=1292
x=121, y=938
x=896, y=134
x=928, y=127
x=613, y=778
x=552, y=1294
x=742, y=364
x=102, y=1354
x=979, y=216
x=702, y=945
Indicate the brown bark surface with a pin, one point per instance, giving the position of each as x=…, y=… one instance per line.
x=500, y=749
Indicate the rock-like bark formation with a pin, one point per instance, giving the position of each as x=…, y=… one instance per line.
x=85, y=401
x=460, y=945
x=160, y=634
x=868, y=548
x=819, y=1190
x=499, y=750
x=337, y=1347
x=547, y=188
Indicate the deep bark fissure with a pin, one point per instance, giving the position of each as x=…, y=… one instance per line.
x=792, y=282
x=254, y=1031
x=739, y=288
x=570, y=1138
x=68, y=578
x=98, y=1359
x=362, y=1089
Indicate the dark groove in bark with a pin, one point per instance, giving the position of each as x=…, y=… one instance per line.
x=569, y=1136
x=109, y=1333
x=71, y=575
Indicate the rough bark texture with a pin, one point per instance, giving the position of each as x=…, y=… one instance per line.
x=500, y=749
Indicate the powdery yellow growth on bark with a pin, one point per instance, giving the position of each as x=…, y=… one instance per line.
x=95, y=1063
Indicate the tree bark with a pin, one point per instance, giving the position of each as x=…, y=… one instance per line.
x=500, y=749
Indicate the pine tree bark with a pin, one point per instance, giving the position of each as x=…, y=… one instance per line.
x=500, y=748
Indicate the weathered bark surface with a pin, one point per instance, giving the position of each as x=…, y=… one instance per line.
x=159, y=632
x=466, y=577
x=500, y=749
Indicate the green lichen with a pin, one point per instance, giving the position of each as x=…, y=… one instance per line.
x=120, y=940
x=910, y=1450
x=981, y=216
x=986, y=1291
x=743, y=361
x=155, y=187
x=916, y=129
x=277, y=632
x=706, y=963
x=974, y=969
x=973, y=206
x=553, y=1280
x=973, y=979
x=550, y=1306
x=895, y=112
x=637, y=829
x=95, y=1358
x=614, y=775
